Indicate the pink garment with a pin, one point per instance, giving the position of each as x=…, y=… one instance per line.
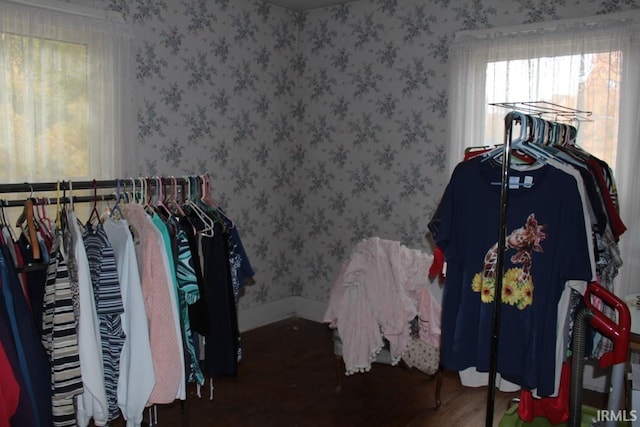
x=163, y=336
x=429, y=314
x=375, y=296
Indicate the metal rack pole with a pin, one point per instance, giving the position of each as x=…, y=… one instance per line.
x=64, y=186
x=27, y=187
x=502, y=235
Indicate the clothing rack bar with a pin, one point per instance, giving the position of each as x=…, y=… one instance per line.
x=47, y=201
x=67, y=185
x=53, y=186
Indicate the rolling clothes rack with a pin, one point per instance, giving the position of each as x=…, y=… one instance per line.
x=517, y=114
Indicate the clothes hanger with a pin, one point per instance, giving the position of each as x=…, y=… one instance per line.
x=548, y=147
x=27, y=217
x=160, y=204
x=116, y=212
x=58, y=219
x=95, y=215
x=43, y=223
x=209, y=224
x=207, y=194
x=526, y=132
x=538, y=146
x=173, y=201
x=141, y=195
x=133, y=190
x=5, y=222
x=206, y=191
x=153, y=195
x=71, y=206
x=134, y=232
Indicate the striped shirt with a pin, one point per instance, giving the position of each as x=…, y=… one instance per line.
x=60, y=337
x=106, y=288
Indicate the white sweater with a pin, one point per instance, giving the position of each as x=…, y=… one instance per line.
x=92, y=403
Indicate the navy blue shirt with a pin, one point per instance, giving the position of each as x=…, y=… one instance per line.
x=32, y=359
x=546, y=246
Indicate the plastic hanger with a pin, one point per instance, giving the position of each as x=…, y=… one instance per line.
x=95, y=215
x=43, y=223
x=27, y=217
x=141, y=195
x=134, y=232
x=71, y=206
x=207, y=198
x=148, y=201
x=133, y=190
x=525, y=133
x=206, y=192
x=116, y=212
x=161, y=198
x=173, y=201
x=209, y=224
x=547, y=148
x=58, y=219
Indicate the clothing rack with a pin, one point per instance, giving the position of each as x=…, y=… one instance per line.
x=513, y=117
x=95, y=185
x=143, y=187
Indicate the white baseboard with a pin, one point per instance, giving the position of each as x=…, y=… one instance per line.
x=264, y=314
x=310, y=309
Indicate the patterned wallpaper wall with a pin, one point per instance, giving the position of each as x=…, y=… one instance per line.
x=318, y=128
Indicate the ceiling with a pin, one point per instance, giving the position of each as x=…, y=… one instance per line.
x=300, y=5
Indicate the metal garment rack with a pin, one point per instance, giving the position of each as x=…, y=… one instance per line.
x=518, y=109
x=70, y=186
x=559, y=112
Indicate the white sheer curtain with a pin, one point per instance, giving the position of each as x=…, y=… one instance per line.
x=589, y=64
x=65, y=93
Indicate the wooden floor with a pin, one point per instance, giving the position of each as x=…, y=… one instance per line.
x=287, y=378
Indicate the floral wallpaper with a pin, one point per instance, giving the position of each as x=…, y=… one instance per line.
x=319, y=128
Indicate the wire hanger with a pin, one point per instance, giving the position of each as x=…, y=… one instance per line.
x=5, y=221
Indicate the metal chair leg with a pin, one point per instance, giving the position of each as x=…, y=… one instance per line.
x=339, y=367
x=439, y=378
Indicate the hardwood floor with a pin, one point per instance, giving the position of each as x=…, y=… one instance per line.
x=287, y=378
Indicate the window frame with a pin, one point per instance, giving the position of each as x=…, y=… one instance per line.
x=110, y=103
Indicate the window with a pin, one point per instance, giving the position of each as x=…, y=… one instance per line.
x=63, y=93
x=588, y=64
x=587, y=82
